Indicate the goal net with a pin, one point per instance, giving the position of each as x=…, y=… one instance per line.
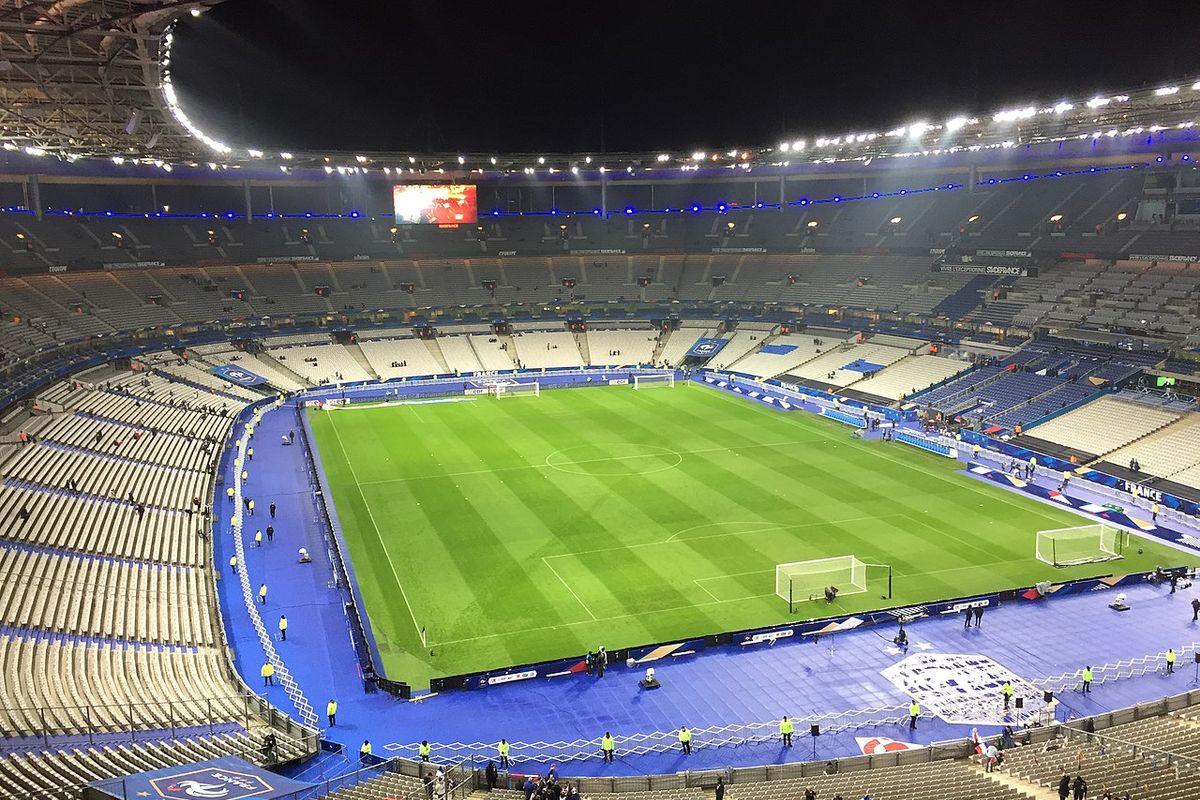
x=797, y=581
x=518, y=389
x=1082, y=544
x=657, y=379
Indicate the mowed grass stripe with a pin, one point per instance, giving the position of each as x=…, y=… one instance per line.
x=472, y=518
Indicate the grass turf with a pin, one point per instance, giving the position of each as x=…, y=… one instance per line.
x=523, y=529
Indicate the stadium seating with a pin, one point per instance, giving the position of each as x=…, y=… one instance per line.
x=1168, y=453
x=322, y=363
x=908, y=376
x=401, y=358
x=1103, y=425
x=630, y=346
x=536, y=350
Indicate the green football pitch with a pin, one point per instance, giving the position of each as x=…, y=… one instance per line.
x=520, y=529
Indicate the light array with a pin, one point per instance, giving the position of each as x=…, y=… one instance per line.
x=694, y=208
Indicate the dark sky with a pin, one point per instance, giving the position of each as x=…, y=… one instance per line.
x=568, y=76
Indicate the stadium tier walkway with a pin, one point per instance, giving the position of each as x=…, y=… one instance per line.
x=799, y=677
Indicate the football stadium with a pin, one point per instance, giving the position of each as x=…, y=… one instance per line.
x=825, y=465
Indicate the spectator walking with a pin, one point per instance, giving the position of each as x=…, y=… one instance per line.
x=978, y=616
x=601, y=661
x=272, y=510
x=491, y=776
x=967, y=614
x=270, y=533
x=1195, y=609
x=1064, y=787
x=720, y=790
x=589, y=660
x=1079, y=788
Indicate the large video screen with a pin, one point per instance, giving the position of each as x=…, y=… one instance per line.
x=429, y=204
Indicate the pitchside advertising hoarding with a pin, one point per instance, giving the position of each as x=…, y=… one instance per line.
x=434, y=204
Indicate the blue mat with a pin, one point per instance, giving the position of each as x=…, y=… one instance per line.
x=859, y=365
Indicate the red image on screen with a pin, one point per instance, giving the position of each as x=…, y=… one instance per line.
x=434, y=204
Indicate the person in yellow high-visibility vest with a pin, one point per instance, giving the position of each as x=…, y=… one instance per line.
x=245, y=475
x=1007, y=691
x=250, y=506
x=268, y=673
x=608, y=747
x=502, y=750
x=423, y=750
x=233, y=564
x=258, y=538
x=685, y=740
x=1170, y=661
x=282, y=628
x=262, y=594
x=331, y=712
x=229, y=492
x=1087, y=679
x=786, y=729
x=914, y=711
x=364, y=752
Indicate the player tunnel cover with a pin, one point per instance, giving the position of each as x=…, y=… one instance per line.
x=228, y=778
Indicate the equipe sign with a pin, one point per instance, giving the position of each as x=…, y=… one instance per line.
x=235, y=374
x=228, y=778
x=706, y=347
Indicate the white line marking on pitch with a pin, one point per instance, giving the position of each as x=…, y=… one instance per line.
x=569, y=589
x=706, y=591
x=375, y=525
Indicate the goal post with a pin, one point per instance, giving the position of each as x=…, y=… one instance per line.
x=518, y=389
x=1082, y=544
x=650, y=380
x=798, y=581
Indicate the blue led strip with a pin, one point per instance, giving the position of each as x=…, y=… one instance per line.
x=629, y=211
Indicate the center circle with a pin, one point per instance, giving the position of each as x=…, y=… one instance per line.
x=614, y=460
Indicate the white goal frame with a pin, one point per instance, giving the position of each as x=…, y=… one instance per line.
x=1068, y=547
x=516, y=389
x=797, y=581
x=654, y=379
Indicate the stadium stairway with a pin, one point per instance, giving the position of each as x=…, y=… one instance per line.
x=966, y=299
x=581, y=339
x=356, y=352
x=435, y=350
x=1026, y=788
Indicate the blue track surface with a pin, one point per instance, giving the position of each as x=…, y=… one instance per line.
x=798, y=678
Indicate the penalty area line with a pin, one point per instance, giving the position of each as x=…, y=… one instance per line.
x=566, y=585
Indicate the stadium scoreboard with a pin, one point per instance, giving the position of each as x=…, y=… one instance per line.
x=434, y=204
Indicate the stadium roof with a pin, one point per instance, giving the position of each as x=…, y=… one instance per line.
x=92, y=79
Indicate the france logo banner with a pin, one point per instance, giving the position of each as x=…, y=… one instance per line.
x=228, y=778
x=235, y=374
x=706, y=347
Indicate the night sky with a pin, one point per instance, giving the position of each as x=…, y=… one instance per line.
x=568, y=77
